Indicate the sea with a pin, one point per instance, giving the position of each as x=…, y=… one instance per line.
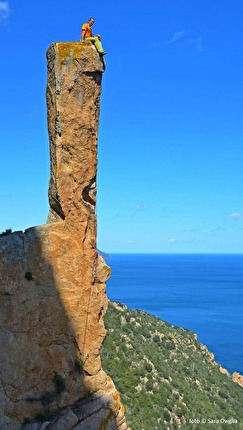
x=200, y=292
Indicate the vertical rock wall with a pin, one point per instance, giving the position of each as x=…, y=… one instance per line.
x=52, y=281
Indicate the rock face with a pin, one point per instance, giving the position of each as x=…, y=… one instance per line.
x=237, y=378
x=52, y=281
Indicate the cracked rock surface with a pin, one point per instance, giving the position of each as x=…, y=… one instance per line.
x=52, y=281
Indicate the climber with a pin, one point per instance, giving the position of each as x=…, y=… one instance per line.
x=86, y=34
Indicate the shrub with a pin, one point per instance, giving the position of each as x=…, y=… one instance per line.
x=28, y=276
x=166, y=416
x=6, y=232
x=156, y=338
x=59, y=383
x=148, y=367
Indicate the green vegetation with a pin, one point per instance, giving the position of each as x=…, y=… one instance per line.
x=167, y=379
x=26, y=421
x=43, y=416
x=6, y=232
x=28, y=276
x=59, y=382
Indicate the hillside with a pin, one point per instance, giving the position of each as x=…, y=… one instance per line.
x=167, y=379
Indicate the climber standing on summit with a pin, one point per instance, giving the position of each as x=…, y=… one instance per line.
x=86, y=34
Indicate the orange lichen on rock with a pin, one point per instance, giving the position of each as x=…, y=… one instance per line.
x=237, y=378
x=74, y=53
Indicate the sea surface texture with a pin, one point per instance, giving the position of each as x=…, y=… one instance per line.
x=203, y=293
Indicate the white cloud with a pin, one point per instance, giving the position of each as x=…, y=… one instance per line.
x=177, y=36
x=197, y=43
x=141, y=206
x=182, y=36
x=236, y=215
x=172, y=240
x=4, y=10
x=155, y=45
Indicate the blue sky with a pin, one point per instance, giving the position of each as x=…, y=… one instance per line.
x=170, y=140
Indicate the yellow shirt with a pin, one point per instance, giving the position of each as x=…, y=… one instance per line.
x=87, y=29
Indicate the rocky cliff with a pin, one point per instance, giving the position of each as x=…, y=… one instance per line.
x=52, y=281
